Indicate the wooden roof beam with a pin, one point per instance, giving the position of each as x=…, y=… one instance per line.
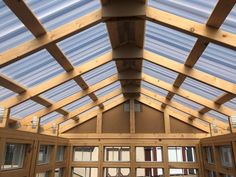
x=189, y=95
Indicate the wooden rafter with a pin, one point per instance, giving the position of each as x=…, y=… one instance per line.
x=71, y=99
x=190, y=72
x=188, y=95
x=56, y=81
x=92, y=114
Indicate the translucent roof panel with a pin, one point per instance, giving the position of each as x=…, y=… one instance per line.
x=76, y=104
x=168, y=42
x=87, y=112
x=159, y=72
x=187, y=102
x=25, y=109
x=231, y=104
x=217, y=115
x=112, y=100
x=98, y=74
x=33, y=69
x=62, y=91
x=196, y=10
x=50, y=117
x=218, y=61
x=108, y=89
x=12, y=31
x=154, y=89
x=54, y=13
x=201, y=89
x=230, y=22
x=86, y=45
x=5, y=93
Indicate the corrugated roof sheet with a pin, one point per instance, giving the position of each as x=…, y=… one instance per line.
x=76, y=104
x=159, y=72
x=187, y=102
x=231, y=104
x=50, y=117
x=167, y=42
x=217, y=115
x=86, y=45
x=219, y=62
x=201, y=89
x=154, y=89
x=108, y=89
x=12, y=31
x=100, y=73
x=33, y=69
x=196, y=10
x=5, y=93
x=62, y=91
x=55, y=13
x=25, y=109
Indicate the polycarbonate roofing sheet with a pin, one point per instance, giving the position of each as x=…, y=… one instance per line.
x=50, y=117
x=76, y=104
x=112, y=100
x=187, y=102
x=25, y=109
x=230, y=22
x=219, y=62
x=201, y=89
x=62, y=91
x=100, y=73
x=86, y=45
x=159, y=72
x=108, y=89
x=217, y=115
x=231, y=104
x=33, y=69
x=89, y=111
x=5, y=93
x=196, y=10
x=154, y=89
x=55, y=13
x=12, y=30
x=167, y=42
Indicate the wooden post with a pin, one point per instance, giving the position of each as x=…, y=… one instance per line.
x=99, y=123
x=5, y=120
x=132, y=116
x=165, y=160
x=132, y=161
x=167, y=121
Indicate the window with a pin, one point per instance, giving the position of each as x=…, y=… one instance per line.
x=116, y=172
x=44, y=154
x=150, y=172
x=226, y=156
x=211, y=174
x=60, y=153
x=58, y=172
x=14, y=156
x=181, y=154
x=209, y=154
x=43, y=174
x=148, y=154
x=85, y=154
x=225, y=175
x=84, y=172
x=121, y=154
x=183, y=172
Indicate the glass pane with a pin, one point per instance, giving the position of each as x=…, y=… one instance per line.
x=148, y=154
x=150, y=172
x=226, y=156
x=85, y=154
x=44, y=154
x=116, y=172
x=183, y=172
x=121, y=154
x=84, y=172
x=181, y=154
x=60, y=153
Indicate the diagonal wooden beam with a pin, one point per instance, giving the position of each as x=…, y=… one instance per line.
x=220, y=12
x=86, y=117
x=183, y=108
x=189, y=95
x=58, y=80
x=190, y=72
x=84, y=108
x=54, y=36
x=71, y=99
x=198, y=30
x=149, y=102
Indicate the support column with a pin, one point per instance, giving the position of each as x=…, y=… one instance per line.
x=132, y=116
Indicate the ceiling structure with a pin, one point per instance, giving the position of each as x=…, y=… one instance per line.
x=64, y=62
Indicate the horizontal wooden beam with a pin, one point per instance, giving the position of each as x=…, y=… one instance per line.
x=92, y=114
x=184, y=109
x=199, y=30
x=58, y=80
x=54, y=36
x=224, y=98
x=190, y=72
x=129, y=75
x=189, y=95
